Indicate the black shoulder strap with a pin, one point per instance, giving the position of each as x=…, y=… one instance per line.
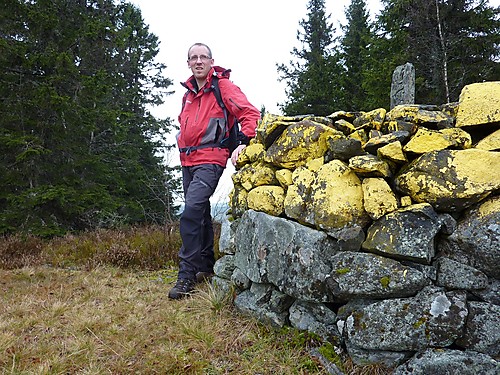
x=218, y=96
x=216, y=90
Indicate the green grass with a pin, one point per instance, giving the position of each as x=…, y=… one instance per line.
x=78, y=305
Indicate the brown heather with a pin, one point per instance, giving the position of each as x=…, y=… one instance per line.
x=96, y=303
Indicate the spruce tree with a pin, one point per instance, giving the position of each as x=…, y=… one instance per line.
x=78, y=147
x=450, y=43
x=355, y=45
x=313, y=76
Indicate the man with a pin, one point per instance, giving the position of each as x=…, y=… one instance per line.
x=202, y=127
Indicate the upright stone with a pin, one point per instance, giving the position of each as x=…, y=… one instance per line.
x=403, y=85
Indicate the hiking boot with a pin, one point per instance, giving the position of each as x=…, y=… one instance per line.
x=181, y=289
x=202, y=277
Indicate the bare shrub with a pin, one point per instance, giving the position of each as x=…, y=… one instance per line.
x=19, y=251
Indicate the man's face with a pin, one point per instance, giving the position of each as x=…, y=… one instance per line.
x=199, y=61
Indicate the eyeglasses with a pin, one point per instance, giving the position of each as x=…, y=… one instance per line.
x=195, y=58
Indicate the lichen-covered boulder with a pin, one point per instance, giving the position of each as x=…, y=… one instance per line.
x=255, y=174
x=372, y=119
x=299, y=143
x=375, y=143
x=426, y=140
x=370, y=166
x=315, y=318
x=392, y=152
x=482, y=329
x=268, y=199
x=361, y=275
x=272, y=126
x=476, y=241
x=343, y=148
x=224, y=266
x=455, y=275
x=253, y=153
x=490, y=143
x=281, y=252
x=479, y=104
x=334, y=199
x=284, y=177
x=421, y=115
x=238, y=200
x=407, y=234
x=266, y=303
x=298, y=193
x=378, y=197
x=226, y=238
x=451, y=180
x=446, y=361
x=432, y=318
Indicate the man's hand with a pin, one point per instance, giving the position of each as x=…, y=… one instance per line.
x=236, y=154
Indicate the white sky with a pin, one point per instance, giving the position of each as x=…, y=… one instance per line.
x=249, y=37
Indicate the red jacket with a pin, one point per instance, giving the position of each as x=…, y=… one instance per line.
x=202, y=119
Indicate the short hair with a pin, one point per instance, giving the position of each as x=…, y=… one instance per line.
x=201, y=45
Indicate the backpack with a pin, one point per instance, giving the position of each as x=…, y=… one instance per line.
x=233, y=139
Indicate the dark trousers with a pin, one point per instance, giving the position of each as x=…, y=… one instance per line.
x=197, y=251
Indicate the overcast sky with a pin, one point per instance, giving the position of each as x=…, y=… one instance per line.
x=249, y=37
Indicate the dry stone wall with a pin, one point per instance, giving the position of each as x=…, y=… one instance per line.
x=378, y=231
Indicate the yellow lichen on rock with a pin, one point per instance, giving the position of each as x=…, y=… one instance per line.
x=393, y=152
x=406, y=201
x=284, y=177
x=268, y=199
x=490, y=142
x=256, y=174
x=379, y=199
x=426, y=140
x=299, y=143
x=298, y=193
x=251, y=154
x=370, y=166
x=478, y=169
x=463, y=177
x=360, y=135
x=479, y=104
x=315, y=164
x=372, y=119
x=491, y=206
x=336, y=197
x=417, y=114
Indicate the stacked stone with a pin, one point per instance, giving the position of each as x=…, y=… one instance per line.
x=378, y=231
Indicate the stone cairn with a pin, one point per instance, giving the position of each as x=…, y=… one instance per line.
x=377, y=231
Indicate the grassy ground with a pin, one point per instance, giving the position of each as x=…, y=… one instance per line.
x=68, y=308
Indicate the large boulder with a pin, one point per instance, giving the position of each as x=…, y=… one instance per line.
x=479, y=104
x=291, y=256
x=407, y=234
x=330, y=199
x=438, y=361
x=360, y=275
x=482, y=330
x=451, y=180
x=299, y=143
x=433, y=318
x=476, y=241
